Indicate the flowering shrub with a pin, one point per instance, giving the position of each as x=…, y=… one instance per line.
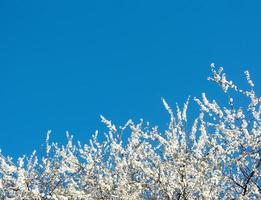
x=217, y=158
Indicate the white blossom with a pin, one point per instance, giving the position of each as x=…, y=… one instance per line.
x=215, y=157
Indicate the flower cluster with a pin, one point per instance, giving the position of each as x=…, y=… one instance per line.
x=217, y=158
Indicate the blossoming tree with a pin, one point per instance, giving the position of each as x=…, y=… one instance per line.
x=217, y=158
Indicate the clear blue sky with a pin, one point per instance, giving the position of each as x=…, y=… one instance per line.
x=63, y=63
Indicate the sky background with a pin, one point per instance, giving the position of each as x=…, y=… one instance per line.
x=63, y=63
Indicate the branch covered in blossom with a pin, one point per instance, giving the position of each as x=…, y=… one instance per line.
x=217, y=158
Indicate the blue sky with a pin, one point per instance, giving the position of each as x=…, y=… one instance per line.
x=63, y=63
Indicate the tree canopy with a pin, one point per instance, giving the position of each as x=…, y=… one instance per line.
x=218, y=157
